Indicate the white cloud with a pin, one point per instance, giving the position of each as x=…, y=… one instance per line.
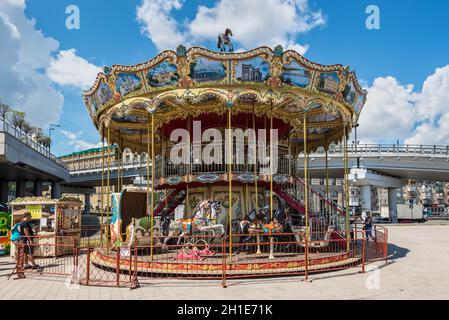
x=74, y=139
x=158, y=25
x=69, y=69
x=24, y=55
x=253, y=22
x=25, y=51
x=398, y=112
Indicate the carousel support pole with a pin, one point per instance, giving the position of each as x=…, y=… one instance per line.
x=346, y=180
x=271, y=256
x=102, y=190
x=148, y=186
x=271, y=163
x=306, y=198
x=256, y=176
x=153, y=158
x=108, y=182
x=327, y=187
x=230, y=181
x=289, y=150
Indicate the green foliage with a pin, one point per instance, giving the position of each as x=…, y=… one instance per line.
x=5, y=223
x=145, y=223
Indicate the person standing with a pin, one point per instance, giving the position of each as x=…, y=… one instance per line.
x=26, y=234
x=368, y=224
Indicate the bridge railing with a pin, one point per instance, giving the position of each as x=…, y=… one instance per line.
x=29, y=141
x=388, y=149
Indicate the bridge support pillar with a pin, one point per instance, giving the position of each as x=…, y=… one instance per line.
x=366, y=197
x=86, y=203
x=38, y=186
x=20, y=189
x=3, y=192
x=55, y=190
x=393, y=205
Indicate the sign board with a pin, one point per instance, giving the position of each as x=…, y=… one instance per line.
x=35, y=210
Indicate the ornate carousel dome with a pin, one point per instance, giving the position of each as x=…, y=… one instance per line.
x=202, y=84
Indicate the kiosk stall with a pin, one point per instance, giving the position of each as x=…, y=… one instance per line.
x=56, y=223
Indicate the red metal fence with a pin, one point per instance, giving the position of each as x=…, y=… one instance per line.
x=204, y=257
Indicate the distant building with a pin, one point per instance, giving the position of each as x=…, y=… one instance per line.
x=92, y=158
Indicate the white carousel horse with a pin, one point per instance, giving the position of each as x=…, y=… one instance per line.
x=224, y=40
x=202, y=222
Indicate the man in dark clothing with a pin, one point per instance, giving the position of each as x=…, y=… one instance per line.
x=26, y=234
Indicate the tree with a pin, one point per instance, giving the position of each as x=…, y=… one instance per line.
x=38, y=135
x=46, y=142
x=4, y=111
x=27, y=127
x=18, y=119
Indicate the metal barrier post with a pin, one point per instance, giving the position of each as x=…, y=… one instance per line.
x=88, y=266
x=75, y=262
x=118, y=267
x=135, y=281
x=363, y=254
x=306, y=267
x=223, y=264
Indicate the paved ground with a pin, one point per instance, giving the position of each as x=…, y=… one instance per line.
x=420, y=256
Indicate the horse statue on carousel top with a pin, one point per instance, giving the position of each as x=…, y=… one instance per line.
x=224, y=40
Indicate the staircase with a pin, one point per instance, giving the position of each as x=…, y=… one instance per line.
x=167, y=205
x=319, y=206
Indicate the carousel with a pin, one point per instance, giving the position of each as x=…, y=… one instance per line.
x=225, y=137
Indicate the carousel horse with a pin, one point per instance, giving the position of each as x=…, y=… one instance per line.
x=224, y=40
x=251, y=227
x=202, y=222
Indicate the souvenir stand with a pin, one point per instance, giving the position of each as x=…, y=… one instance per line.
x=56, y=223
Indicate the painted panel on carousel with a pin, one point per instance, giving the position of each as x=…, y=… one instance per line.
x=131, y=118
x=206, y=70
x=358, y=105
x=253, y=70
x=164, y=74
x=128, y=83
x=260, y=200
x=104, y=93
x=223, y=197
x=208, y=178
x=296, y=75
x=92, y=103
x=349, y=93
x=247, y=177
x=174, y=180
x=324, y=117
x=319, y=130
x=328, y=83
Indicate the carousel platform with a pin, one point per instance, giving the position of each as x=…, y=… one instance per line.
x=242, y=264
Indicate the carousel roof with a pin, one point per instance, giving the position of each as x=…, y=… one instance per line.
x=200, y=84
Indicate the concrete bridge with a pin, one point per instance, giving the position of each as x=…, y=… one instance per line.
x=385, y=166
x=22, y=159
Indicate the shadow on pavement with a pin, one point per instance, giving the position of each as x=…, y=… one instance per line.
x=396, y=252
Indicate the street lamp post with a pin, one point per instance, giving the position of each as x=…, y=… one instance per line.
x=355, y=144
x=52, y=128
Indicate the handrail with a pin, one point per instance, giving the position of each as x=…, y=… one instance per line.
x=29, y=141
x=387, y=149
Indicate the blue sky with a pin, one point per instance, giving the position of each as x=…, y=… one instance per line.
x=393, y=63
